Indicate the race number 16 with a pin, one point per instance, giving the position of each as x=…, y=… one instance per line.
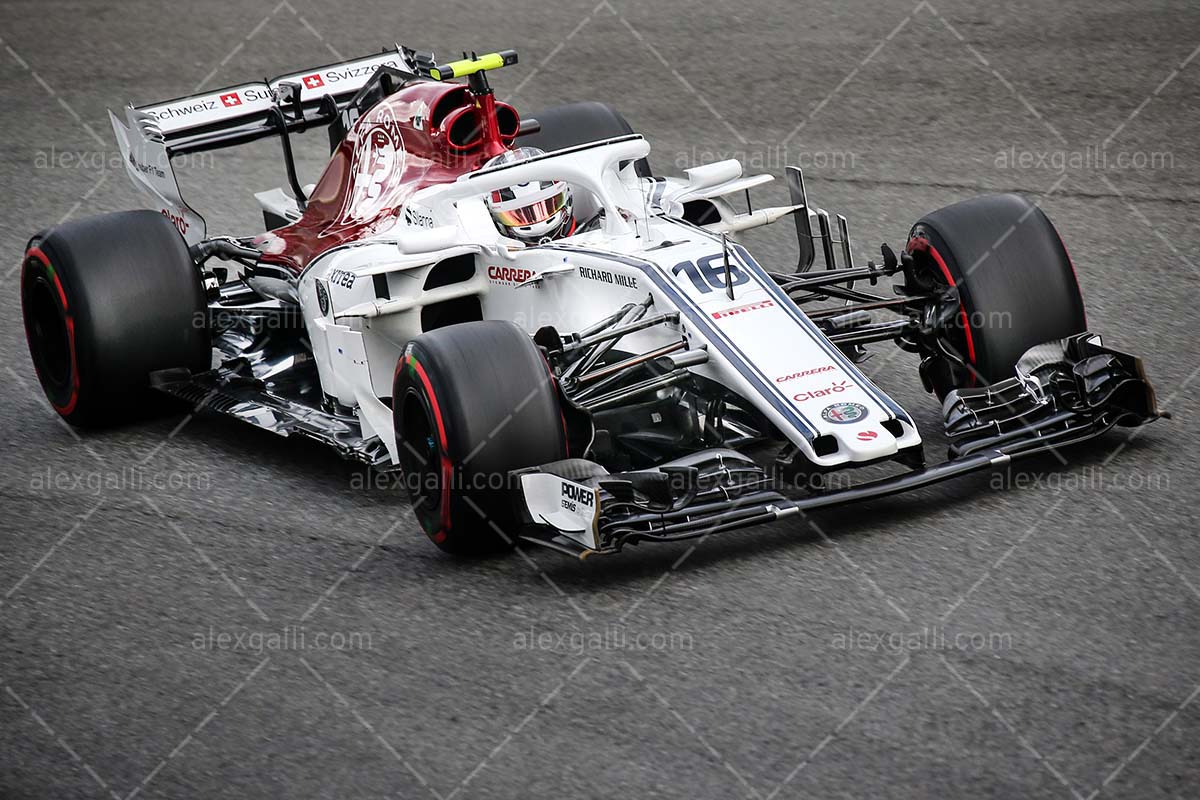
x=708, y=273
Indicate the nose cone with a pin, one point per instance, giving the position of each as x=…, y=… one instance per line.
x=860, y=435
x=866, y=441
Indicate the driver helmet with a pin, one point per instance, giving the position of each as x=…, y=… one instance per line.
x=529, y=211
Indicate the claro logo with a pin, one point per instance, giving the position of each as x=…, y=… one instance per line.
x=804, y=373
x=509, y=274
x=837, y=387
x=178, y=221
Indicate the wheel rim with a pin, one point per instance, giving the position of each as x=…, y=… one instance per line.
x=420, y=458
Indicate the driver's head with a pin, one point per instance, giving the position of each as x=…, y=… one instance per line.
x=530, y=211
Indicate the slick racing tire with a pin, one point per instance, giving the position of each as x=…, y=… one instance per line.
x=470, y=403
x=580, y=123
x=107, y=301
x=1016, y=285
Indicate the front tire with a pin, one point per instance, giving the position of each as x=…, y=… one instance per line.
x=106, y=301
x=1016, y=285
x=470, y=403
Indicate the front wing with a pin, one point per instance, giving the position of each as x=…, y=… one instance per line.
x=1064, y=392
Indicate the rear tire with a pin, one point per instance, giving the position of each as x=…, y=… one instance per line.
x=470, y=403
x=1015, y=281
x=580, y=123
x=107, y=301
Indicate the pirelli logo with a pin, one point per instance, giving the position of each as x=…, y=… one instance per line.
x=732, y=312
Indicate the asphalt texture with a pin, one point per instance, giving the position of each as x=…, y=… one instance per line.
x=1029, y=633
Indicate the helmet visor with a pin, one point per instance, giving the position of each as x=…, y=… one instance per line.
x=521, y=212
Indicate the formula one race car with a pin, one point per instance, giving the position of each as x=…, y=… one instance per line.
x=553, y=345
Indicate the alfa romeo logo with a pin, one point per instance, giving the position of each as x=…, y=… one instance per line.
x=322, y=297
x=842, y=413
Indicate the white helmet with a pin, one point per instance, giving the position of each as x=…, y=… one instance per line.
x=529, y=211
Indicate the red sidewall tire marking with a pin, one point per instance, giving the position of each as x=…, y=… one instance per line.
x=917, y=244
x=447, y=466
x=37, y=254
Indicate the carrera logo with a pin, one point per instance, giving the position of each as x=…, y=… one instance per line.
x=509, y=275
x=867, y=436
x=230, y=100
x=835, y=388
x=312, y=81
x=729, y=312
x=804, y=373
x=578, y=494
x=178, y=221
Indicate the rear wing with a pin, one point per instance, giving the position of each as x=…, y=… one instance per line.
x=148, y=136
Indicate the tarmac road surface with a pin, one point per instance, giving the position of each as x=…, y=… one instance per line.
x=190, y=608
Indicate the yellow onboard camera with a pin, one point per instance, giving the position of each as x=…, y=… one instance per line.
x=473, y=65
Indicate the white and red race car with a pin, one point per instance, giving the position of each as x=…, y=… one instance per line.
x=643, y=378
